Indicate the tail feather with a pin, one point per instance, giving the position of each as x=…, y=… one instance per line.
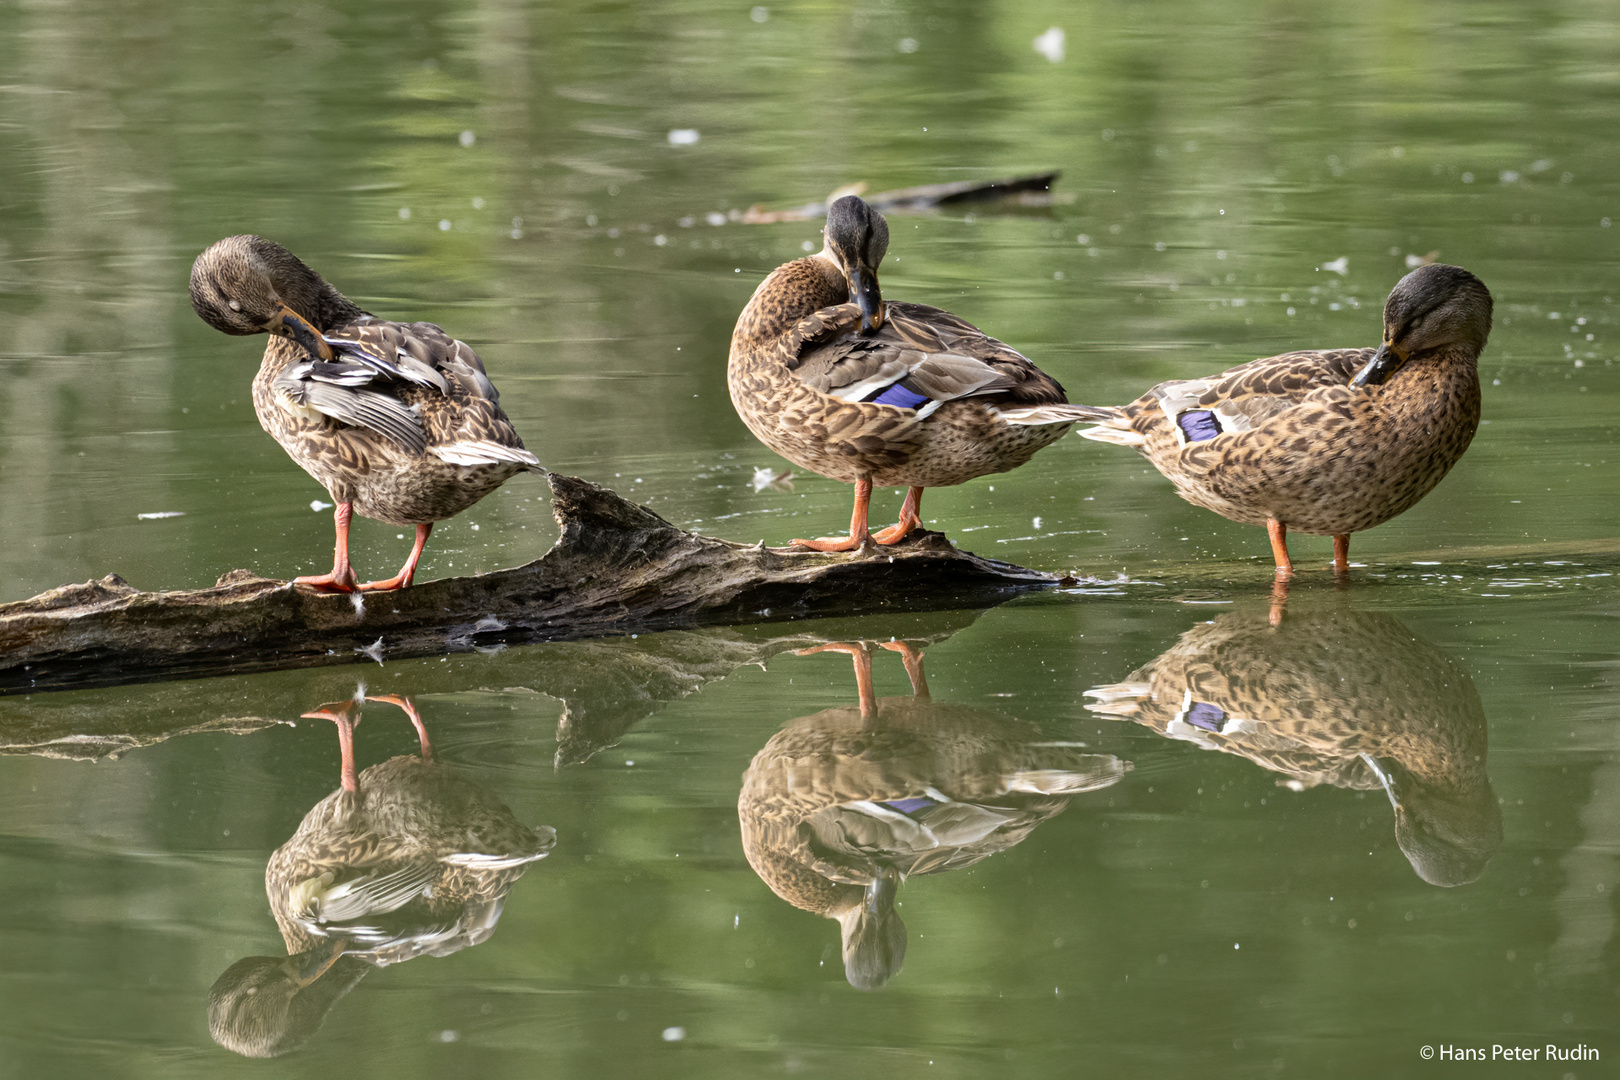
x=485, y=452
x=1058, y=414
x=1119, y=436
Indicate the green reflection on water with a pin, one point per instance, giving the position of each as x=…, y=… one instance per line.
x=1217, y=159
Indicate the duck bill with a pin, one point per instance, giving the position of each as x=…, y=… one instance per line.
x=863, y=289
x=1386, y=777
x=311, y=965
x=288, y=323
x=1384, y=363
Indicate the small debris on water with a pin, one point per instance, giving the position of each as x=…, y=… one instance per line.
x=1050, y=44
x=156, y=514
x=676, y=1034
x=769, y=477
x=374, y=650
x=684, y=136
x=317, y=506
x=1340, y=266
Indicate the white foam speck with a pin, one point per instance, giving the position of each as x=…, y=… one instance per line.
x=1050, y=44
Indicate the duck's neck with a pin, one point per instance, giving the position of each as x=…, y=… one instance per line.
x=310, y=296
x=789, y=293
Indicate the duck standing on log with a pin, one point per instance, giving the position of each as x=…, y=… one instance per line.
x=1331, y=442
x=397, y=420
x=838, y=381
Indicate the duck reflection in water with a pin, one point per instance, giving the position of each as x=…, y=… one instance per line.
x=408, y=858
x=1351, y=699
x=840, y=807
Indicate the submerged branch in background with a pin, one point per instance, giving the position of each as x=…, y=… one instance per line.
x=617, y=568
x=1021, y=191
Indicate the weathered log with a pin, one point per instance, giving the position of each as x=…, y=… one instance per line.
x=617, y=568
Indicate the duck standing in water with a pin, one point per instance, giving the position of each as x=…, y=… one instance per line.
x=838, y=381
x=1329, y=442
x=397, y=420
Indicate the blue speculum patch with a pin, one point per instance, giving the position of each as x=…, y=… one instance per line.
x=1198, y=425
x=1206, y=716
x=909, y=806
x=899, y=395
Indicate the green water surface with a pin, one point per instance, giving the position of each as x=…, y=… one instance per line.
x=1199, y=870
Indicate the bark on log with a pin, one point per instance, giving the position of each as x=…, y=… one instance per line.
x=617, y=568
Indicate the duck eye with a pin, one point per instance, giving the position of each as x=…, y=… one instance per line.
x=236, y=305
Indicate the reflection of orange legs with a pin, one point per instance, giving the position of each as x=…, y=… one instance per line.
x=910, y=518
x=913, y=659
x=342, y=578
x=416, y=720
x=859, y=531
x=345, y=714
x=1279, y=599
x=407, y=573
x=862, y=655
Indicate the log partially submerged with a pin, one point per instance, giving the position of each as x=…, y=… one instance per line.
x=617, y=568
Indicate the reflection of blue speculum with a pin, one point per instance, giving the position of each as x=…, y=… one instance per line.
x=1346, y=698
x=842, y=806
x=408, y=858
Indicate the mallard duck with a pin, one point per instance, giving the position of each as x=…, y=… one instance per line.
x=397, y=420
x=1346, y=698
x=1331, y=442
x=406, y=859
x=840, y=807
x=833, y=378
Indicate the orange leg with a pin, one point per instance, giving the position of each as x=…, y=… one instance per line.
x=861, y=653
x=909, y=519
x=341, y=579
x=913, y=659
x=859, y=532
x=416, y=720
x=402, y=580
x=1341, y=554
x=1279, y=547
x=343, y=714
